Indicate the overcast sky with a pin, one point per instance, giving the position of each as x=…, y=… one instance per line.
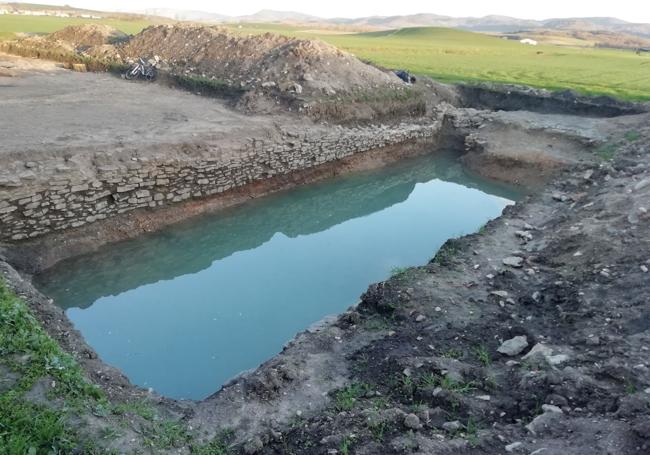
x=630, y=10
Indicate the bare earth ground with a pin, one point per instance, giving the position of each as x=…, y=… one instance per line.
x=420, y=365
x=74, y=110
x=61, y=118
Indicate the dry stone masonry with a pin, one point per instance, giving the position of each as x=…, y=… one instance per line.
x=28, y=211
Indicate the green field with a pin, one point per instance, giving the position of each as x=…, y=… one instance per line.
x=445, y=54
x=452, y=55
x=11, y=24
x=455, y=55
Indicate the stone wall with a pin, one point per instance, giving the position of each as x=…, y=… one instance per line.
x=114, y=189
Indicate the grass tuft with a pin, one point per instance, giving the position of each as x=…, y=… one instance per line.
x=346, y=398
x=29, y=354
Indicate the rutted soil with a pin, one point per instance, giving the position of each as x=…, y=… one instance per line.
x=517, y=98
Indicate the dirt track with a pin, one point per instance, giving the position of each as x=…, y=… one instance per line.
x=101, y=111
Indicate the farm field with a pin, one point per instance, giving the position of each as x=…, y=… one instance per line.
x=454, y=55
x=11, y=24
x=443, y=54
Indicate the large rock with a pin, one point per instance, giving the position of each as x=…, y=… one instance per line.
x=412, y=422
x=541, y=353
x=513, y=346
x=550, y=422
x=513, y=261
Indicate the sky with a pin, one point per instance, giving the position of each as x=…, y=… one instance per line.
x=630, y=10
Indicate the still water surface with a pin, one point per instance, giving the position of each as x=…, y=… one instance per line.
x=186, y=309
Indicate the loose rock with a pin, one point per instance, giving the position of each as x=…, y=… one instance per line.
x=513, y=261
x=513, y=346
x=412, y=421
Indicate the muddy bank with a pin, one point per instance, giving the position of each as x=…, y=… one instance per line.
x=97, y=159
x=122, y=200
x=519, y=98
x=33, y=256
x=203, y=156
x=526, y=338
x=529, y=335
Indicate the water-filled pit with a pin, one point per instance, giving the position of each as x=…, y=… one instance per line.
x=185, y=309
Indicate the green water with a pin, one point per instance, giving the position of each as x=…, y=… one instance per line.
x=184, y=310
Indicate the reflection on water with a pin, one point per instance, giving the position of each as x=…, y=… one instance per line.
x=185, y=309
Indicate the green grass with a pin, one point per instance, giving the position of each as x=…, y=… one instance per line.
x=444, y=54
x=139, y=408
x=398, y=271
x=445, y=255
x=378, y=430
x=483, y=355
x=447, y=383
x=453, y=354
x=607, y=151
x=346, y=398
x=218, y=446
x=11, y=24
x=28, y=427
x=459, y=56
x=471, y=432
x=345, y=445
x=206, y=86
x=429, y=380
x=632, y=136
x=453, y=55
x=43, y=425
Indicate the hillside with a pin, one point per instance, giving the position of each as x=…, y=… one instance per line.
x=582, y=38
x=503, y=23
x=489, y=23
x=257, y=61
x=33, y=18
x=456, y=55
x=448, y=55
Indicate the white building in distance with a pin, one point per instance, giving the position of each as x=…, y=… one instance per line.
x=530, y=42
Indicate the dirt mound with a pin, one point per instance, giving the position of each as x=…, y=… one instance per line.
x=268, y=61
x=88, y=35
x=71, y=42
x=259, y=73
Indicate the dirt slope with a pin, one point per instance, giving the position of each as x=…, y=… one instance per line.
x=259, y=73
x=72, y=40
x=257, y=60
x=88, y=35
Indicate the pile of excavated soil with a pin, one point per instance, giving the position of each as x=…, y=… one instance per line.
x=94, y=40
x=262, y=73
x=88, y=35
x=267, y=60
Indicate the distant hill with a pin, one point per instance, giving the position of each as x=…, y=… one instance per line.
x=501, y=24
x=185, y=15
x=597, y=24
x=487, y=23
x=491, y=24
x=267, y=15
x=263, y=16
x=37, y=9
